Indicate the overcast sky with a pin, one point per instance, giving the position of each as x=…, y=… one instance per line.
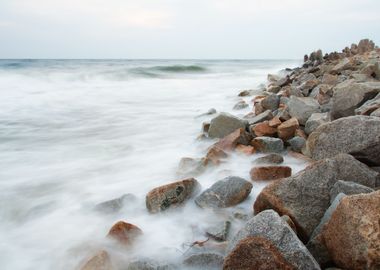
x=239, y=29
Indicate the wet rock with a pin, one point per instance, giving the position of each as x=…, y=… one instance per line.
x=224, y=124
x=263, y=129
x=219, y=231
x=245, y=149
x=271, y=102
x=369, y=106
x=297, y=143
x=215, y=155
x=240, y=105
x=229, y=142
x=204, y=261
x=246, y=93
x=115, y=205
x=269, y=226
x=270, y=159
x=348, y=188
x=209, y=112
x=125, y=233
x=267, y=115
x=227, y=192
x=205, y=127
x=287, y=129
x=315, y=120
x=171, y=195
x=302, y=108
x=356, y=135
x=350, y=95
x=352, y=234
x=268, y=144
x=100, y=261
x=190, y=167
x=270, y=172
x=305, y=196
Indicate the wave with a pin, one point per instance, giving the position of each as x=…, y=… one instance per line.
x=180, y=68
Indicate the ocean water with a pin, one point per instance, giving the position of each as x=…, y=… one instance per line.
x=74, y=133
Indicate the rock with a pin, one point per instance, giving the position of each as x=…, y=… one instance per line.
x=305, y=196
x=268, y=144
x=209, y=112
x=205, y=127
x=245, y=149
x=224, y=124
x=274, y=89
x=270, y=172
x=246, y=93
x=308, y=86
x=344, y=64
x=275, y=122
x=316, y=244
x=229, y=142
x=329, y=79
x=219, y=231
x=315, y=120
x=256, y=253
x=190, y=167
x=302, y=108
x=287, y=129
x=278, y=240
x=267, y=115
x=100, y=261
x=171, y=195
x=365, y=45
x=376, y=113
x=113, y=206
x=283, y=114
x=269, y=159
x=352, y=234
x=204, y=261
x=297, y=143
x=125, y=233
x=290, y=222
x=350, y=95
x=356, y=135
x=348, y=188
x=227, y=192
x=240, y=105
x=148, y=264
x=271, y=102
x=369, y=106
x=263, y=129
x=215, y=154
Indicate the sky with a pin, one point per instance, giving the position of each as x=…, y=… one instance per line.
x=183, y=29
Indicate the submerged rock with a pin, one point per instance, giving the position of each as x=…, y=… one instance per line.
x=224, y=124
x=100, y=261
x=113, y=206
x=219, y=231
x=204, y=261
x=190, y=167
x=240, y=105
x=148, y=264
x=270, y=159
x=125, y=233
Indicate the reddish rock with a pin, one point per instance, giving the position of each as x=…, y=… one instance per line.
x=100, y=261
x=352, y=236
x=256, y=253
x=229, y=142
x=270, y=172
x=215, y=154
x=300, y=133
x=245, y=149
x=258, y=108
x=263, y=129
x=124, y=232
x=275, y=122
x=287, y=129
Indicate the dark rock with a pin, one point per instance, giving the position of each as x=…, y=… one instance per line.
x=228, y=192
x=219, y=231
x=297, y=143
x=271, y=102
x=224, y=124
x=171, y=195
x=270, y=159
x=270, y=172
x=268, y=144
x=267, y=115
x=204, y=261
x=113, y=206
x=348, y=188
x=302, y=108
x=205, y=127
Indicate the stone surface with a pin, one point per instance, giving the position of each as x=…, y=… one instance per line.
x=245, y=149
x=305, y=196
x=297, y=143
x=204, y=261
x=275, y=122
x=125, y=233
x=240, y=105
x=263, y=129
x=270, y=172
x=115, y=205
x=272, y=228
x=148, y=264
x=342, y=65
x=369, y=106
x=171, y=195
x=215, y=155
x=268, y=144
x=315, y=120
x=224, y=124
x=348, y=188
x=266, y=115
x=356, y=135
x=329, y=79
x=271, y=102
x=288, y=128
x=352, y=234
x=270, y=159
x=219, y=231
x=290, y=222
x=190, y=167
x=229, y=142
x=227, y=192
x=302, y=108
x=100, y=261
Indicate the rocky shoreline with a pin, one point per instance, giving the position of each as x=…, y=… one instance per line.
x=326, y=112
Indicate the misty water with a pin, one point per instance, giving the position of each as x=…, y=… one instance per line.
x=77, y=133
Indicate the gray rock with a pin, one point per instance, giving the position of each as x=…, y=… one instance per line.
x=224, y=124
x=115, y=205
x=316, y=244
x=344, y=64
x=267, y=115
x=270, y=159
x=219, y=231
x=209, y=112
x=302, y=108
x=297, y=143
x=376, y=113
x=240, y=105
x=268, y=224
x=204, y=261
x=305, y=196
x=271, y=102
x=315, y=120
x=148, y=264
x=350, y=95
x=227, y=192
x=357, y=135
x=190, y=167
x=348, y=188
x=268, y=144
x=369, y=106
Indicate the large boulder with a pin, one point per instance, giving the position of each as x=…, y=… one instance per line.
x=224, y=124
x=302, y=108
x=353, y=232
x=171, y=195
x=356, y=135
x=348, y=188
x=267, y=235
x=227, y=192
x=305, y=196
x=270, y=172
x=369, y=106
x=350, y=95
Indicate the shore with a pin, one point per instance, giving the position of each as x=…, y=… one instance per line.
x=325, y=114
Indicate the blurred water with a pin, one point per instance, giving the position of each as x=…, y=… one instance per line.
x=74, y=133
